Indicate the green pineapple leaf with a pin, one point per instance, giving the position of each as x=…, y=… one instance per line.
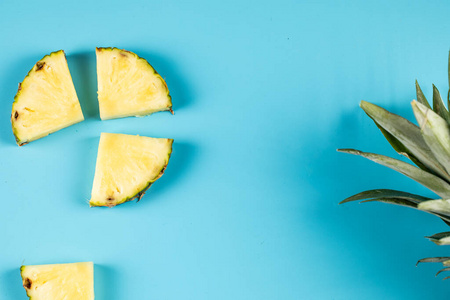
x=385, y=193
x=396, y=201
x=408, y=134
x=435, y=131
x=442, y=238
x=448, y=94
x=434, y=183
x=443, y=270
x=438, y=105
x=421, y=97
x=411, y=201
x=444, y=260
x=400, y=148
x=441, y=206
x=448, y=69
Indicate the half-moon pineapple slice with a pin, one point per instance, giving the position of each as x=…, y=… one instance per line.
x=46, y=100
x=59, y=281
x=126, y=167
x=128, y=85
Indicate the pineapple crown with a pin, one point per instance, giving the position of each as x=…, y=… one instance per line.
x=427, y=146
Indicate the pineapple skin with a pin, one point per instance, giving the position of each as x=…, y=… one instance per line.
x=141, y=193
x=169, y=106
x=34, y=69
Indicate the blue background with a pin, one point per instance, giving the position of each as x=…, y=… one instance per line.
x=263, y=92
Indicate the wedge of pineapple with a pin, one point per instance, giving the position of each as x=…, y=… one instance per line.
x=128, y=85
x=126, y=167
x=60, y=281
x=46, y=100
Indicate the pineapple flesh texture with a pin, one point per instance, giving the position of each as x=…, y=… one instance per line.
x=73, y=281
x=128, y=85
x=126, y=167
x=46, y=100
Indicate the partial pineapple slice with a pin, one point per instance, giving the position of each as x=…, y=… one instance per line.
x=128, y=85
x=46, y=100
x=126, y=167
x=60, y=281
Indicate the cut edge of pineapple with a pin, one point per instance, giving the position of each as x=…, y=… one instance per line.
x=170, y=105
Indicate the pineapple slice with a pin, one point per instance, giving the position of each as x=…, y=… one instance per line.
x=126, y=167
x=128, y=85
x=60, y=281
x=46, y=100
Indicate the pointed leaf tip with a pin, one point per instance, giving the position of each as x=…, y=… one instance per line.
x=440, y=239
x=420, y=96
x=433, y=260
x=448, y=71
x=443, y=270
x=439, y=106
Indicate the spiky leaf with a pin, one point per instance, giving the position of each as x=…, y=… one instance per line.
x=444, y=260
x=434, y=183
x=436, y=133
x=402, y=201
x=448, y=93
x=438, y=105
x=421, y=97
x=442, y=238
x=443, y=270
x=408, y=134
x=400, y=148
x=385, y=193
x=448, y=69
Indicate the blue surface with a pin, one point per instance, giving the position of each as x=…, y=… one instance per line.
x=263, y=93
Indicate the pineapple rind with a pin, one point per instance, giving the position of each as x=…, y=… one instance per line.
x=100, y=202
x=22, y=141
x=168, y=105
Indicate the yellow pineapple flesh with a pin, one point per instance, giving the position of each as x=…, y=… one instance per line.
x=46, y=100
x=128, y=85
x=126, y=167
x=73, y=281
